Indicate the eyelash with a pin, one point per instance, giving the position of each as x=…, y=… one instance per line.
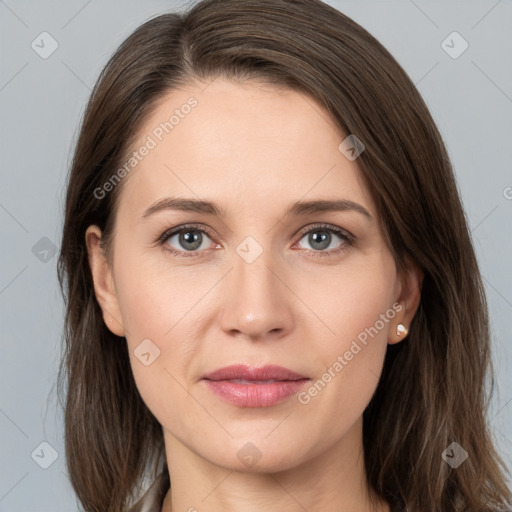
x=347, y=237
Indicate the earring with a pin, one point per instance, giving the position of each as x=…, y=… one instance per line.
x=400, y=329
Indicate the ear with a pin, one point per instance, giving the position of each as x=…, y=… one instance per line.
x=103, y=282
x=411, y=281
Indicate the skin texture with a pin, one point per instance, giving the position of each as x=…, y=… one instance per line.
x=252, y=149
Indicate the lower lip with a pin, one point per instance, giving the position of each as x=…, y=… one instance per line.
x=255, y=395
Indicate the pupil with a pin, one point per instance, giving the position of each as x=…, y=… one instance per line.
x=325, y=236
x=188, y=237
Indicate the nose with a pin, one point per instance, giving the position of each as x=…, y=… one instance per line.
x=258, y=301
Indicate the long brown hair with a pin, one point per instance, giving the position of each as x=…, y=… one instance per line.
x=433, y=388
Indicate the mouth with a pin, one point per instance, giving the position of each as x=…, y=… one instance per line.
x=246, y=386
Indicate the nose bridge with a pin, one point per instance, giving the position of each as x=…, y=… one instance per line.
x=255, y=266
x=257, y=302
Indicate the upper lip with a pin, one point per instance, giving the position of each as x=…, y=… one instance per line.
x=241, y=371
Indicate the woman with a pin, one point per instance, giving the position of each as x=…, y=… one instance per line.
x=273, y=302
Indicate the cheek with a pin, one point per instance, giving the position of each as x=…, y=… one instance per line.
x=150, y=309
x=161, y=307
x=154, y=299
x=357, y=307
x=155, y=317
x=351, y=299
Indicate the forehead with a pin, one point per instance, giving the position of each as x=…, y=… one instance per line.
x=242, y=144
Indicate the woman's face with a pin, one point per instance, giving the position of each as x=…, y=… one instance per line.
x=261, y=286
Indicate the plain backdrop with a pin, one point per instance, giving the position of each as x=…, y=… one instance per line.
x=42, y=101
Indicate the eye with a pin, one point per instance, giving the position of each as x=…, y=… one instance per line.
x=320, y=237
x=188, y=239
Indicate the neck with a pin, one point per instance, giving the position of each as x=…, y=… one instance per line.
x=332, y=481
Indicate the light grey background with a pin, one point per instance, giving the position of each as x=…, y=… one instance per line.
x=42, y=101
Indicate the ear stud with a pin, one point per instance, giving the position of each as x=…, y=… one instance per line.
x=400, y=329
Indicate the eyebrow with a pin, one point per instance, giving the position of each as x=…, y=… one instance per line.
x=295, y=209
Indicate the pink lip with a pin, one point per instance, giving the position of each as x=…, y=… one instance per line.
x=242, y=371
x=254, y=393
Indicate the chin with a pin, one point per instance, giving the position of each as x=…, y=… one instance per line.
x=257, y=455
